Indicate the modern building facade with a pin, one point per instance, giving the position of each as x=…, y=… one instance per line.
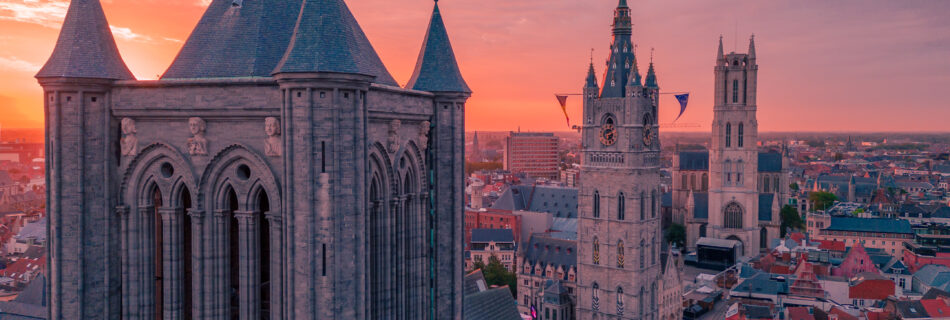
x=732, y=191
x=532, y=153
x=276, y=170
x=619, y=236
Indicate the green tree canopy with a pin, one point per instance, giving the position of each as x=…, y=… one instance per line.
x=496, y=274
x=675, y=234
x=821, y=200
x=793, y=186
x=791, y=219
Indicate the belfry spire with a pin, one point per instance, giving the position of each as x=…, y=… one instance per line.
x=651, y=76
x=86, y=48
x=437, y=70
x=720, y=56
x=621, y=54
x=752, y=47
x=591, y=77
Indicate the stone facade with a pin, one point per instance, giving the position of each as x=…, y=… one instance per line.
x=317, y=191
x=619, y=236
x=733, y=191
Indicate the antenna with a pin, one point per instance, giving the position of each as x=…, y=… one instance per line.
x=591, y=55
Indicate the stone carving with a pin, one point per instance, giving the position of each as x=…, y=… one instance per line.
x=197, y=144
x=129, y=141
x=272, y=146
x=394, y=135
x=424, y=128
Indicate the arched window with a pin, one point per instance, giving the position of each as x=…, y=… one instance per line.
x=741, y=133
x=596, y=250
x=727, y=171
x=158, y=247
x=234, y=247
x=684, y=185
x=643, y=293
x=653, y=251
x=621, y=206
x=595, y=297
x=705, y=182
x=264, y=258
x=642, y=254
x=692, y=182
x=186, y=255
x=733, y=216
x=765, y=184
x=643, y=199
x=653, y=296
x=763, y=238
x=739, y=170
x=653, y=200
x=620, y=259
x=735, y=91
x=596, y=204
x=776, y=185
x=728, y=135
x=619, y=302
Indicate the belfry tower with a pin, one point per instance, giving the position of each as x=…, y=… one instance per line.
x=619, y=227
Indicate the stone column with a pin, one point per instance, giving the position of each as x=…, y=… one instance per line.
x=123, y=213
x=276, y=264
x=220, y=271
x=172, y=263
x=249, y=262
x=146, y=263
x=199, y=292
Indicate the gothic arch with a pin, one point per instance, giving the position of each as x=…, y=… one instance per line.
x=227, y=169
x=151, y=167
x=733, y=215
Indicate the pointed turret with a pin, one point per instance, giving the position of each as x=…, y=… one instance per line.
x=237, y=39
x=721, y=56
x=752, y=47
x=86, y=48
x=621, y=54
x=591, y=77
x=327, y=39
x=635, y=80
x=651, y=78
x=437, y=70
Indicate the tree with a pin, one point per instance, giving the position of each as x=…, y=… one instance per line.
x=496, y=274
x=675, y=234
x=821, y=200
x=793, y=186
x=791, y=219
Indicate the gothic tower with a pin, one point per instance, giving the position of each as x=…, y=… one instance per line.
x=619, y=226
x=733, y=156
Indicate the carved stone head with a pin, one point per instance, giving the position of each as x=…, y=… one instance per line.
x=272, y=126
x=128, y=126
x=197, y=126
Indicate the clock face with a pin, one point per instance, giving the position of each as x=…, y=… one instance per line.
x=608, y=134
x=647, y=135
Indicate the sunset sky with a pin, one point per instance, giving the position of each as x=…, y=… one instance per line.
x=849, y=65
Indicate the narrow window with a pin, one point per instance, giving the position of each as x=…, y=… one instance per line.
x=619, y=302
x=620, y=258
x=621, y=206
x=596, y=250
x=741, y=133
x=596, y=204
x=735, y=91
x=643, y=199
x=728, y=135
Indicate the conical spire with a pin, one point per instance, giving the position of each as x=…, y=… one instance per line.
x=591, y=77
x=237, y=39
x=720, y=56
x=635, y=80
x=328, y=39
x=86, y=48
x=437, y=70
x=752, y=47
x=651, y=78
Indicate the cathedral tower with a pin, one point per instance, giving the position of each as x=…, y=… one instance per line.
x=734, y=211
x=619, y=227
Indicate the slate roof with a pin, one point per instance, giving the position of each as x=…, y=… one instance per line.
x=591, y=81
x=651, y=78
x=559, y=201
x=770, y=162
x=493, y=304
x=436, y=69
x=547, y=250
x=33, y=231
x=327, y=38
x=474, y=282
x=496, y=235
x=881, y=225
x=237, y=41
x=86, y=48
x=910, y=309
x=701, y=203
x=763, y=284
x=694, y=160
x=35, y=293
x=765, y=206
x=934, y=275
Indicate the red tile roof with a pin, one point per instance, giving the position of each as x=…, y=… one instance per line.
x=936, y=308
x=800, y=313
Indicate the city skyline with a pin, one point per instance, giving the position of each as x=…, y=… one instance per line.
x=826, y=72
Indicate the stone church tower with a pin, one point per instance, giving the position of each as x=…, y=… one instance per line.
x=734, y=156
x=275, y=171
x=619, y=226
